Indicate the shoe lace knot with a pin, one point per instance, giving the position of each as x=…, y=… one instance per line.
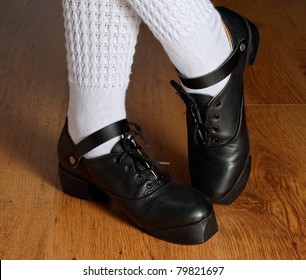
x=142, y=163
x=201, y=133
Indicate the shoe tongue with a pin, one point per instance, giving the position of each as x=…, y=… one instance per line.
x=117, y=148
x=201, y=99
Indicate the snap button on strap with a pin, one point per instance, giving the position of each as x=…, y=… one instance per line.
x=220, y=73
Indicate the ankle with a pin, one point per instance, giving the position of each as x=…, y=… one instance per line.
x=92, y=109
x=210, y=91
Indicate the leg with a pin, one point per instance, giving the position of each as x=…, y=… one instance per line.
x=97, y=151
x=218, y=140
x=209, y=47
x=191, y=33
x=100, y=40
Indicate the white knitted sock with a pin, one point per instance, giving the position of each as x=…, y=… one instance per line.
x=100, y=41
x=191, y=33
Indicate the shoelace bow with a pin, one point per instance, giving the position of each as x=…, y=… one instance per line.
x=143, y=163
x=200, y=129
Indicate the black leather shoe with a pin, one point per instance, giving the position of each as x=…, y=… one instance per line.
x=160, y=206
x=218, y=141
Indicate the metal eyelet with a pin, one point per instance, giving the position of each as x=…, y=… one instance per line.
x=129, y=168
x=216, y=116
x=139, y=177
x=216, y=128
x=215, y=140
x=218, y=103
x=149, y=184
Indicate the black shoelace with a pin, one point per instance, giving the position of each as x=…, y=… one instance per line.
x=143, y=164
x=200, y=129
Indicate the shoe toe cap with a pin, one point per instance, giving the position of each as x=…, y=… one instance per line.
x=177, y=205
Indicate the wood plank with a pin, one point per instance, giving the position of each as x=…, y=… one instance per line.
x=38, y=221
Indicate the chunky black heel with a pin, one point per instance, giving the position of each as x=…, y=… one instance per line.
x=74, y=186
x=218, y=141
x=158, y=205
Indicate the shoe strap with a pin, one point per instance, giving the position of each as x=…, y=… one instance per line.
x=220, y=73
x=96, y=139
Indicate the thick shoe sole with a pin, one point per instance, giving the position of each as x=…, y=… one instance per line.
x=191, y=234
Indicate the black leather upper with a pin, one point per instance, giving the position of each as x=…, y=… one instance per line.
x=152, y=203
x=217, y=162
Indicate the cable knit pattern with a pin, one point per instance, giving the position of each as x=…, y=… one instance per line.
x=172, y=20
x=100, y=41
x=191, y=33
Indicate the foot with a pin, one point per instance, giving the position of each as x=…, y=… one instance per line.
x=218, y=141
x=161, y=207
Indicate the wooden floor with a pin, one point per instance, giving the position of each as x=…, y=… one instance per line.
x=38, y=221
